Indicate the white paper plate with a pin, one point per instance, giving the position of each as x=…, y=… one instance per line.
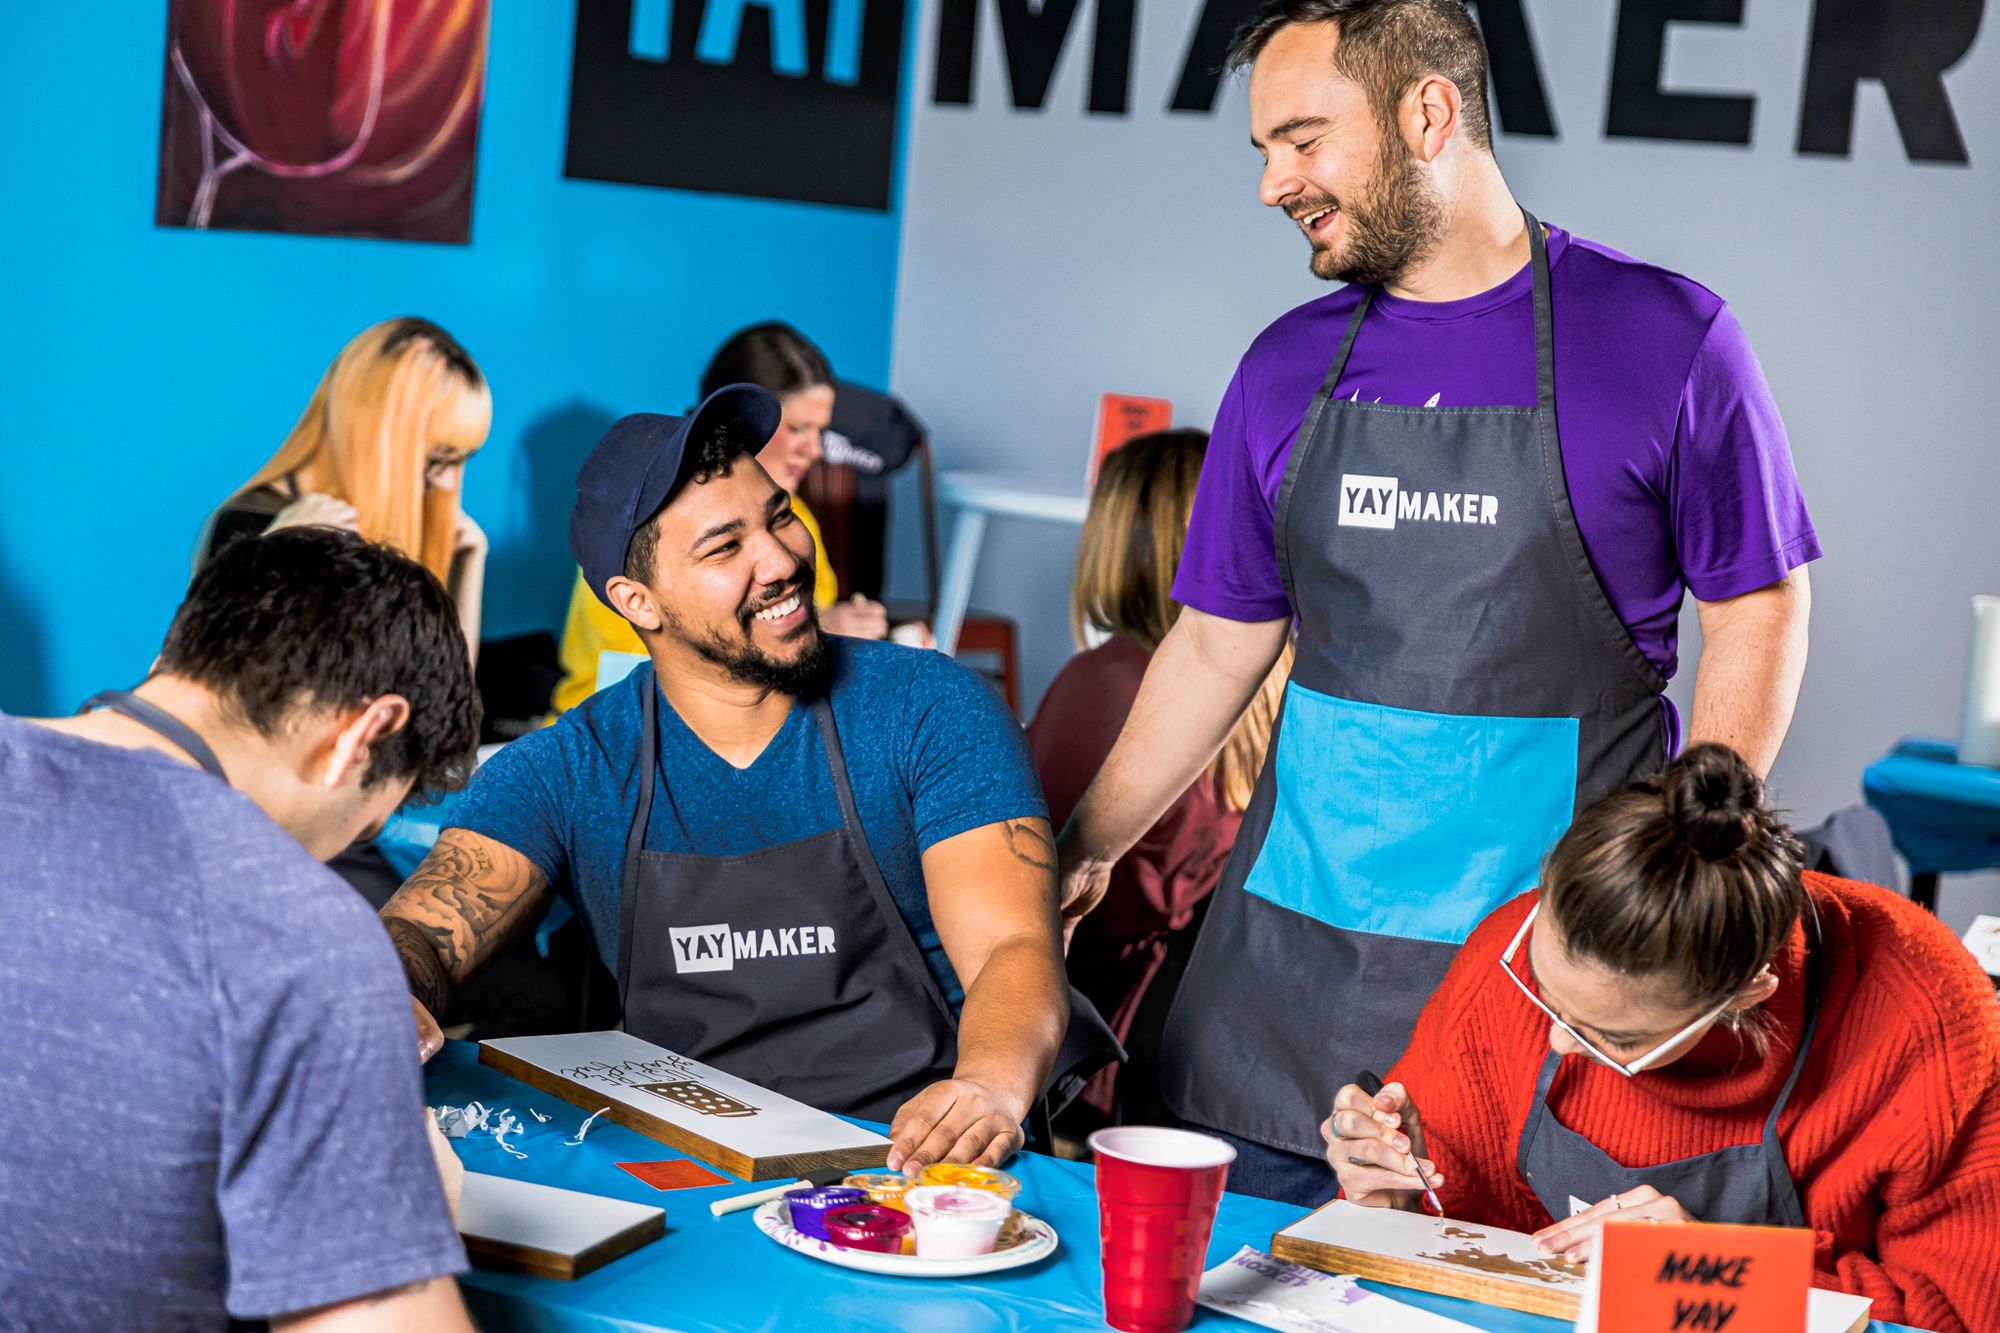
x=774, y=1219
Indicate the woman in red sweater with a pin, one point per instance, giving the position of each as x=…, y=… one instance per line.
x=1681, y=1025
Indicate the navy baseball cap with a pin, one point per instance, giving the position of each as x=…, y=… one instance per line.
x=639, y=465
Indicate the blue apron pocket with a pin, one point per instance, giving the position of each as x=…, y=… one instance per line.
x=1416, y=825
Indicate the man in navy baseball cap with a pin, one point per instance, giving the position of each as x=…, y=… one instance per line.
x=820, y=863
x=639, y=465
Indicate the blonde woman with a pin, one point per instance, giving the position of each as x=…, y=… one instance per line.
x=1130, y=548
x=380, y=450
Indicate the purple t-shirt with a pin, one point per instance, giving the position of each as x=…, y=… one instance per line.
x=210, y=1102
x=1679, y=471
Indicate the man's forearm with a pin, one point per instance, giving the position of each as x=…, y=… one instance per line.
x=1201, y=678
x=1753, y=657
x=1013, y=1020
x=430, y=981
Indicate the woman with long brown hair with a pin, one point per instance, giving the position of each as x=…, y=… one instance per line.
x=1683, y=1024
x=380, y=450
x=1130, y=548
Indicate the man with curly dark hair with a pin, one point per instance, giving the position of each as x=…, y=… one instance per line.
x=212, y=1111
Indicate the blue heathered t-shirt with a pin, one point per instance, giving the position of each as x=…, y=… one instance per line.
x=931, y=753
x=210, y=1101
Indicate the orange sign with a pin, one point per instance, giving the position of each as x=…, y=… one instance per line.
x=1701, y=1278
x=1122, y=417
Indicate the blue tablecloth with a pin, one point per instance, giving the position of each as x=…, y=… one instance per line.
x=721, y=1275
x=1943, y=815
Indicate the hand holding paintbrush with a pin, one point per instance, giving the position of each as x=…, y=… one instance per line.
x=1374, y=1144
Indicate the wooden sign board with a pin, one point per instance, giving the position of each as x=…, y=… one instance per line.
x=1480, y=1263
x=714, y=1117
x=1415, y=1250
x=550, y=1232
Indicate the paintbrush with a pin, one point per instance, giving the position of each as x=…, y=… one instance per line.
x=1370, y=1083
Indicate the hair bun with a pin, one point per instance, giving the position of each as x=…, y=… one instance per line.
x=1714, y=800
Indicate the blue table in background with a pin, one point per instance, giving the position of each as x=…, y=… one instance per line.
x=721, y=1275
x=1944, y=816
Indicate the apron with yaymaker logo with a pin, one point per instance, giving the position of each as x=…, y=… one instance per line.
x=1462, y=687
x=790, y=967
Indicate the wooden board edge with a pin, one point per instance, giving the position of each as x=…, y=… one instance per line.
x=1443, y=1279
x=868, y=1157
x=486, y=1252
x=618, y=1246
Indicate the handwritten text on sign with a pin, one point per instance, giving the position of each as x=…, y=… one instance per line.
x=1699, y=1278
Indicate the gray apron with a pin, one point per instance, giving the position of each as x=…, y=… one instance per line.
x=1462, y=686
x=160, y=721
x=1749, y=1185
x=792, y=967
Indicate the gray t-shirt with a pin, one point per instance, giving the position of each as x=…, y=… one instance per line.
x=210, y=1101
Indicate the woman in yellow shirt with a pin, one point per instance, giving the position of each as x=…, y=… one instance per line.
x=779, y=358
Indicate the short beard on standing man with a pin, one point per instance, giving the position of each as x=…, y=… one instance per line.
x=803, y=677
x=1395, y=228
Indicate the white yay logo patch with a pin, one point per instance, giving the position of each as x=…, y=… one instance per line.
x=1378, y=502
x=718, y=948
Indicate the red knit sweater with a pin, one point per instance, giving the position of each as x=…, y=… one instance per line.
x=1893, y=1133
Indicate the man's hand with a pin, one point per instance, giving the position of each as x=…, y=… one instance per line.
x=957, y=1120
x=430, y=1037
x=451, y=1171
x=1575, y=1238
x=1370, y=1142
x=857, y=618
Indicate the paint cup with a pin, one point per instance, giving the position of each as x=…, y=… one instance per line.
x=810, y=1206
x=954, y=1222
x=868, y=1226
x=884, y=1187
x=972, y=1177
x=1157, y=1192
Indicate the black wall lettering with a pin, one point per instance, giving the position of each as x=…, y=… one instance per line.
x=1201, y=68
x=1033, y=39
x=1908, y=47
x=1519, y=96
x=1639, y=109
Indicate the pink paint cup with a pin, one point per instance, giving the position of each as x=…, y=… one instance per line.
x=954, y=1221
x=1157, y=1192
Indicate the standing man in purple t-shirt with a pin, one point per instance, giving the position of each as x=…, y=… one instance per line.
x=1478, y=478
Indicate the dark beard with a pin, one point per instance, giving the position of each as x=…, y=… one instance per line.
x=804, y=677
x=1392, y=231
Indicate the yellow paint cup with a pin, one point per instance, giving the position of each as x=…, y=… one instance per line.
x=884, y=1187
x=973, y=1177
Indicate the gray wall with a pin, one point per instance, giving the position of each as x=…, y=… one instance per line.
x=1050, y=255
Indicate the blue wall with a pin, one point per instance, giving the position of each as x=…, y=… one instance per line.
x=144, y=372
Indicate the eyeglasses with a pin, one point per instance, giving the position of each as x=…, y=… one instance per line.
x=1590, y=1048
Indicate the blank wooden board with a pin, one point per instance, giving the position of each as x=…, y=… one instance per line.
x=1416, y=1250
x=727, y=1122
x=550, y=1232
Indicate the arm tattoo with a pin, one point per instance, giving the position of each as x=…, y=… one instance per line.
x=455, y=913
x=1029, y=844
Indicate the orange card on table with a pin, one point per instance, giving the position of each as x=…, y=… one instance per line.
x=1698, y=1278
x=675, y=1175
x=1122, y=417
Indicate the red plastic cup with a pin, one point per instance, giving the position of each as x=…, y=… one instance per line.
x=1157, y=1190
